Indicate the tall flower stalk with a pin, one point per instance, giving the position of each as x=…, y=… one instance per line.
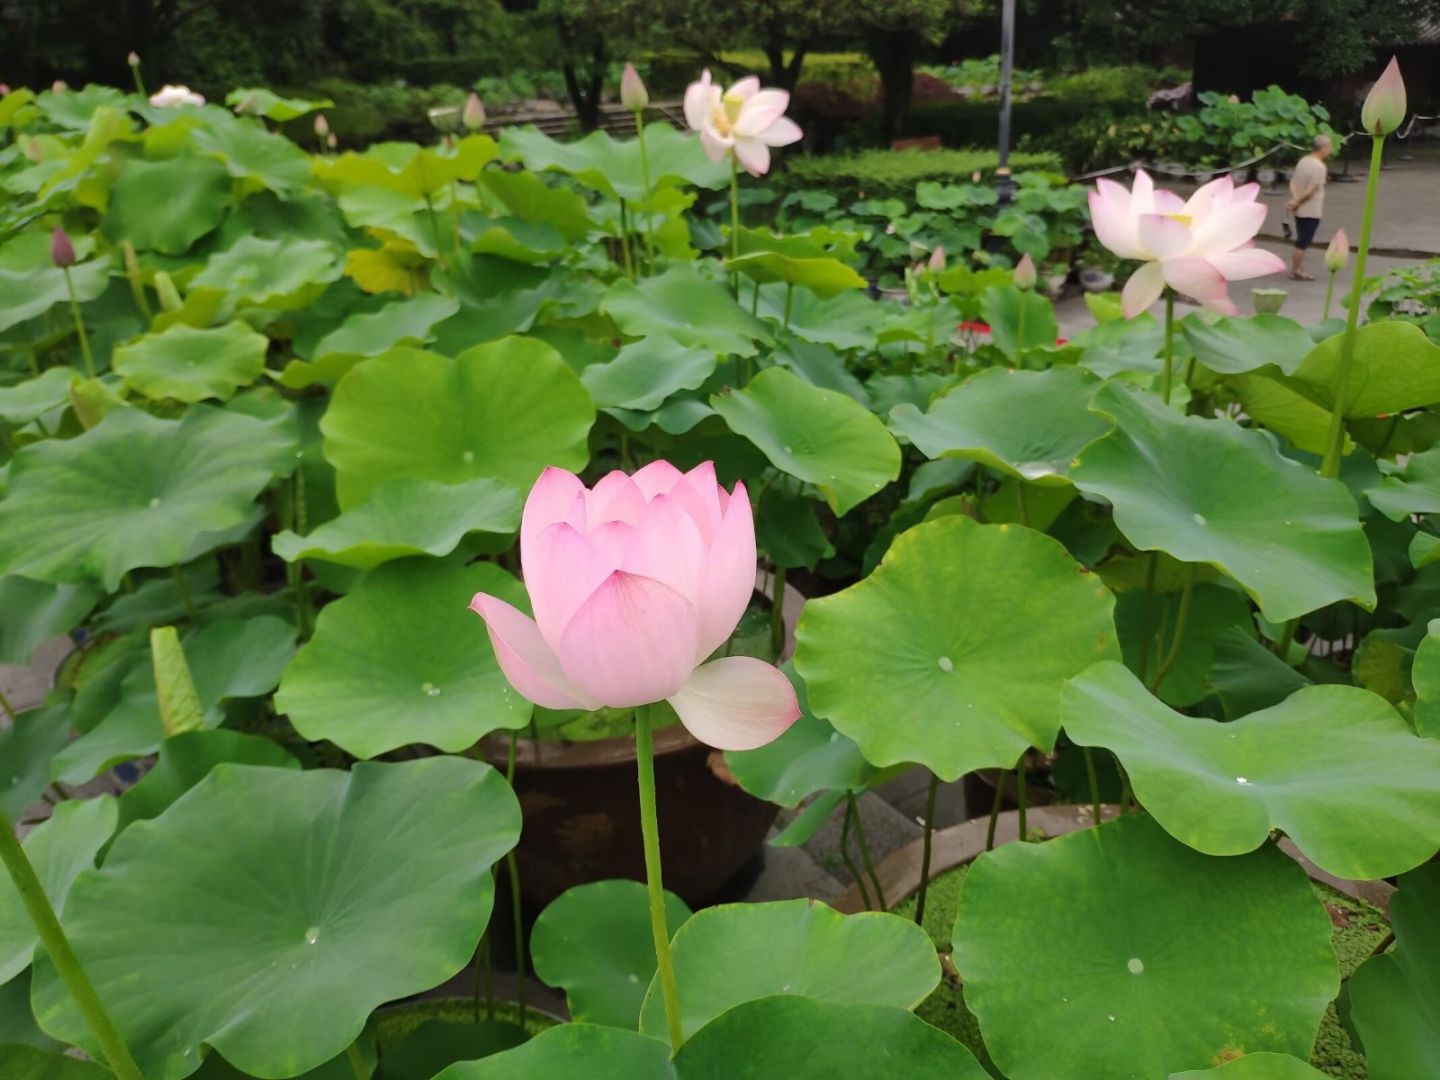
x=62, y=254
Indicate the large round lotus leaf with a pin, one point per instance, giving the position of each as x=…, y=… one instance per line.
x=848, y=320
x=1334, y=767
x=800, y=1038
x=1396, y=368
x=572, y=1050
x=190, y=364
x=810, y=756
x=29, y=1063
x=1214, y=610
x=1208, y=490
x=821, y=436
x=271, y=272
x=646, y=372
x=1028, y=424
x=402, y=322
x=134, y=491
x=1425, y=675
x=952, y=653
x=1395, y=998
x=1236, y=344
x=504, y=410
x=1413, y=489
x=825, y=277
x=694, y=310
x=403, y=517
x=727, y=955
x=1154, y=958
x=330, y=894
x=167, y=205
x=401, y=660
x=1274, y=404
x=612, y=165
x=23, y=402
x=260, y=158
x=1121, y=345
x=258, y=101
x=1000, y=307
x=409, y=169
x=594, y=941
x=27, y=745
x=59, y=849
x=36, y=611
x=1260, y=1066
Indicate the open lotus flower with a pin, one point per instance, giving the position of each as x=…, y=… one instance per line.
x=634, y=583
x=1196, y=246
x=167, y=97
x=744, y=121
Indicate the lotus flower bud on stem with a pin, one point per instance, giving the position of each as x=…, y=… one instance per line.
x=473, y=115
x=322, y=126
x=1338, y=253
x=62, y=252
x=59, y=86
x=633, y=94
x=1024, y=275
x=133, y=59
x=936, y=263
x=1384, y=107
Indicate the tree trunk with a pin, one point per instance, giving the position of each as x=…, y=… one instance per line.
x=894, y=54
x=585, y=89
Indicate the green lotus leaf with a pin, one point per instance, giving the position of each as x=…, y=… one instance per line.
x=646, y=372
x=188, y=758
x=404, y=516
x=594, y=942
x=401, y=322
x=504, y=410
x=27, y=745
x=953, y=652
x=817, y=242
x=1395, y=997
x=824, y=276
x=1213, y=611
x=1425, y=676
x=282, y=273
x=1424, y=549
x=36, y=611
x=1121, y=345
x=513, y=239
x=423, y=1053
x=849, y=320
x=1233, y=344
x=1001, y=306
x=282, y=940
x=1411, y=489
x=73, y=109
x=191, y=365
x=226, y=659
x=59, y=849
x=1137, y=975
x=788, y=532
x=1262, y=1066
x=259, y=101
x=1396, y=368
x=820, y=436
x=1276, y=406
x=258, y=157
x=725, y=956
x=134, y=491
x=613, y=166
x=167, y=205
x=401, y=660
x=810, y=757
x=407, y=168
x=1334, y=767
x=526, y=196
x=24, y=402
x=1027, y=424
x=599, y=1053
x=691, y=309
x=1207, y=490
x=30, y=1063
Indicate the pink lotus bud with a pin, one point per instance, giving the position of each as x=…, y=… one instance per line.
x=4, y=89
x=62, y=252
x=633, y=94
x=634, y=584
x=59, y=86
x=937, y=259
x=1024, y=275
x=473, y=115
x=1384, y=106
x=133, y=59
x=331, y=141
x=1338, y=253
x=322, y=126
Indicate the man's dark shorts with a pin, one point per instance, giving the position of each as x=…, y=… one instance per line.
x=1305, y=231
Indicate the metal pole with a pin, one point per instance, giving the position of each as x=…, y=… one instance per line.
x=1003, y=184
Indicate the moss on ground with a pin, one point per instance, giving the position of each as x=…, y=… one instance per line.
x=1359, y=927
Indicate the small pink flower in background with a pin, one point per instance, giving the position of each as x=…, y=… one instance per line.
x=634, y=583
x=4, y=89
x=133, y=59
x=744, y=121
x=1338, y=253
x=322, y=126
x=633, y=94
x=59, y=86
x=1024, y=273
x=473, y=115
x=1384, y=107
x=168, y=97
x=1195, y=246
x=937, y=260
x=62, y=252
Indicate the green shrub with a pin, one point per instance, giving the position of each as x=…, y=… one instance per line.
x=886, y=173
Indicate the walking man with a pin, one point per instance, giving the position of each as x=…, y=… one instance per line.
x=1307, y=200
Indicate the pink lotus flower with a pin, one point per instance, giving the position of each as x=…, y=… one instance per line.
x=1338, y=253
x=744, y=121
x=1384, y=106
x=62, y=252
x=1196, y=246
x=633, y=94
x=1024, y=274
x=473, y=115
x=634, y=583
x=168, y=97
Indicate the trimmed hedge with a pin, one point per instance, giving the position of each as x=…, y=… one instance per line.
x=886, y=173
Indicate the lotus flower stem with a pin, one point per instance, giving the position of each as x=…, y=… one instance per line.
x=484, y=982
x=645, y=179
x=865, y=860
x=85, y=338
x=789, y=294
x=1020, y=329
x=850, y=866
x=1335, y=442
x=625, y=256
x=777, y=613
x=57, y=946
x=650, y=833
x=1022, y=789
x=512, y=871
x=1094, y=782
x=1000, y=780
x=1022, y=508
x=925, y=856
x=435, y=231
x=734, y=225
x=1169, y=344
x=7, y=708
x=357, y=1062
x=1147, y=616
x=1329, y=292
x=1176, y=643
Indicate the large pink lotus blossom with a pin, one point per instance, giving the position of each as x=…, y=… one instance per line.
x=634, y=583
x=1197, y=246
x=744, y=121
